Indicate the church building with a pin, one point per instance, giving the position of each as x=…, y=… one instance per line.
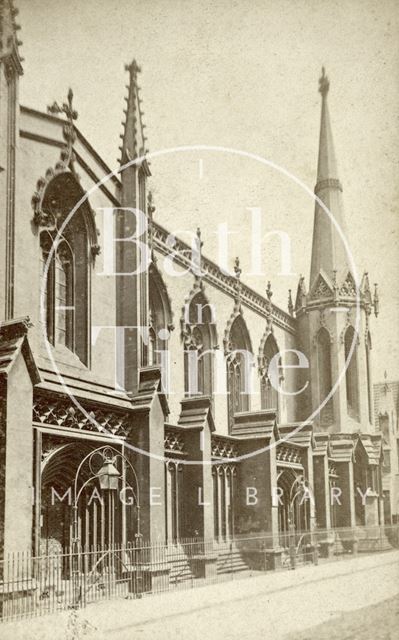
x=113, y=426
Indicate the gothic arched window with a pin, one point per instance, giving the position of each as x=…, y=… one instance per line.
x=239, y=361
x=65, y=265
x=324, y=376
x=64, y=317
x=351, y=374
x=199, y=336
x=269, y=394
x=160, y=324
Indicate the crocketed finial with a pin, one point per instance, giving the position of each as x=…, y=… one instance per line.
x=66, y=108
x=237, y=269
x=324, y=83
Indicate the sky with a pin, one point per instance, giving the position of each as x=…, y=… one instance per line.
x=242, y=75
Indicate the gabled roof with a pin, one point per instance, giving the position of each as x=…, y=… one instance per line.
x=13, y=342
x=322, y=287
x=302, y=437
x=372, y=447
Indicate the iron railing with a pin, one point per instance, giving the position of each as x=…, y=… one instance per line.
x=35, y=585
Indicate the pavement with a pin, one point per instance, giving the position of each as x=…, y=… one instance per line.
x=271, y=606
x=376, y=622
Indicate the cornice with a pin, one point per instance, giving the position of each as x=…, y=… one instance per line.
x=213, y=274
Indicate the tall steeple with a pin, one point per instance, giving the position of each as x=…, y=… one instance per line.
x=329, y=319
x=329, y=256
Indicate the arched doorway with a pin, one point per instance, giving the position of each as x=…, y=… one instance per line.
x=291, y=508
x=89, y=496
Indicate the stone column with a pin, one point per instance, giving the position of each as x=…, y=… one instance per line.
x=16, y=440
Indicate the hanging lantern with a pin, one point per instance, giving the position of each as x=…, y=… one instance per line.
x=108, y=476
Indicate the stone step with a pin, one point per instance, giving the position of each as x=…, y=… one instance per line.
x=231, y=562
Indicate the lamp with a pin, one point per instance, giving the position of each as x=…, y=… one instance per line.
x=108, y=475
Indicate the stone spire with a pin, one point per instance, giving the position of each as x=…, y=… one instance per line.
x=133, y=138
x=328, y=250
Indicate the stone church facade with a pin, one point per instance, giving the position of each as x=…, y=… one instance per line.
x=192, y=463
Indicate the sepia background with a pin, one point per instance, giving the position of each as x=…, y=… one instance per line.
x=242, y=74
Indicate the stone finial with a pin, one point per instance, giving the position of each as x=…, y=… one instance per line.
x=269, y=291
x=200, y=242
x=237, y=269
x=324, y=83
x=66, y=108
x=133, y=67
x=150, y=204
x=67, y=155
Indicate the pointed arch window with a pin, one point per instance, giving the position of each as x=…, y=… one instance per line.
x=58, y=294
x=65, y=259
x=160, y=323
x=199, y=335
x=239, y=360
x=351, y=374
x=324, y=376
x=64, y=311
x=269, y=394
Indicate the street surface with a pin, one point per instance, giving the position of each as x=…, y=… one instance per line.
x=284, y=605
x=377, y=622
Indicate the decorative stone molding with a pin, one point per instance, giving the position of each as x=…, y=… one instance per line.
x=189, y=331
x=288, y=454
x=50, y=446
x=348, y=323
x=328, y=183
x=262, y=362
x=332, y=471
x=174, y=441
x=223, y=468
x=322, y=325
x=60, y=412
x=348, y=289
x=213, y=274
x=223, y=448
x=321, y=289
x=42, y=216
x=163, y=292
